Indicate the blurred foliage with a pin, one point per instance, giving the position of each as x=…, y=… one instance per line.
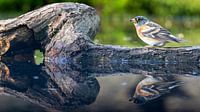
x=107, y=7
x=38, y=57
x=180, y=16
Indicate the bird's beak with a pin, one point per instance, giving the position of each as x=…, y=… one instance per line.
x=133, y=20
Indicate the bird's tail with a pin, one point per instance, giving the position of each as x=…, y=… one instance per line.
x=176, y=39
x=175, y=84
x=165, y=87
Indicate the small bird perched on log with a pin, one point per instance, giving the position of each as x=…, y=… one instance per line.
x=152, y=33
x=151, y=88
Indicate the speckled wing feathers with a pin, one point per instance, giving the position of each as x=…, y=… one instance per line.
x=158, y=32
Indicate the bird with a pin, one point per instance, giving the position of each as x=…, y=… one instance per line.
x=152, y=33
x=152, y=87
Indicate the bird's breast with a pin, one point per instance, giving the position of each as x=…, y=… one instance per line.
x=149, y=40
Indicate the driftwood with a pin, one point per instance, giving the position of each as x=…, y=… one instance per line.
x=67, y=30
x=64, y=32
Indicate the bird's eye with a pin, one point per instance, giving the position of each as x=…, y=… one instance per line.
x=139, y=19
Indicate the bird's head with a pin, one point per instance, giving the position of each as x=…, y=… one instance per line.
x=139, y=20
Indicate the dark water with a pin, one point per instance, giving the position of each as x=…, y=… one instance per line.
x=98, y=87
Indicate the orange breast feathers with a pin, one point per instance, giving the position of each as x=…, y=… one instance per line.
x=141, y=29
x=141, y=92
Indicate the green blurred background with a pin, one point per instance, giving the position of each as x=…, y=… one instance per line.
x=181, y=17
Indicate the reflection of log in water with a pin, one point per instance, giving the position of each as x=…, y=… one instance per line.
x=55, y=89
x=130, y=66
x=53, y=86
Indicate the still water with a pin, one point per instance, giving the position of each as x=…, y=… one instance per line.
x=104, y=87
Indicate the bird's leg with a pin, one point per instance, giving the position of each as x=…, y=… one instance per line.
x=159, y=44
x=156, y=45
x=149, y=46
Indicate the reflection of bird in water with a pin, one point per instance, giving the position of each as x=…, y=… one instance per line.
x=152, y=33
x=151, y=88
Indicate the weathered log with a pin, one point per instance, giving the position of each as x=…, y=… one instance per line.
x=61, y=22
x=65, y=30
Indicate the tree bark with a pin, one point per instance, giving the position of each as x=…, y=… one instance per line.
x=57, y=25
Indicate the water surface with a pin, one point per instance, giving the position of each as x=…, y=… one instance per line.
x=101, y=88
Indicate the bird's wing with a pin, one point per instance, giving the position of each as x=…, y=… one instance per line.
x=154, y=30
x=167, y=86
x=161, y=87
